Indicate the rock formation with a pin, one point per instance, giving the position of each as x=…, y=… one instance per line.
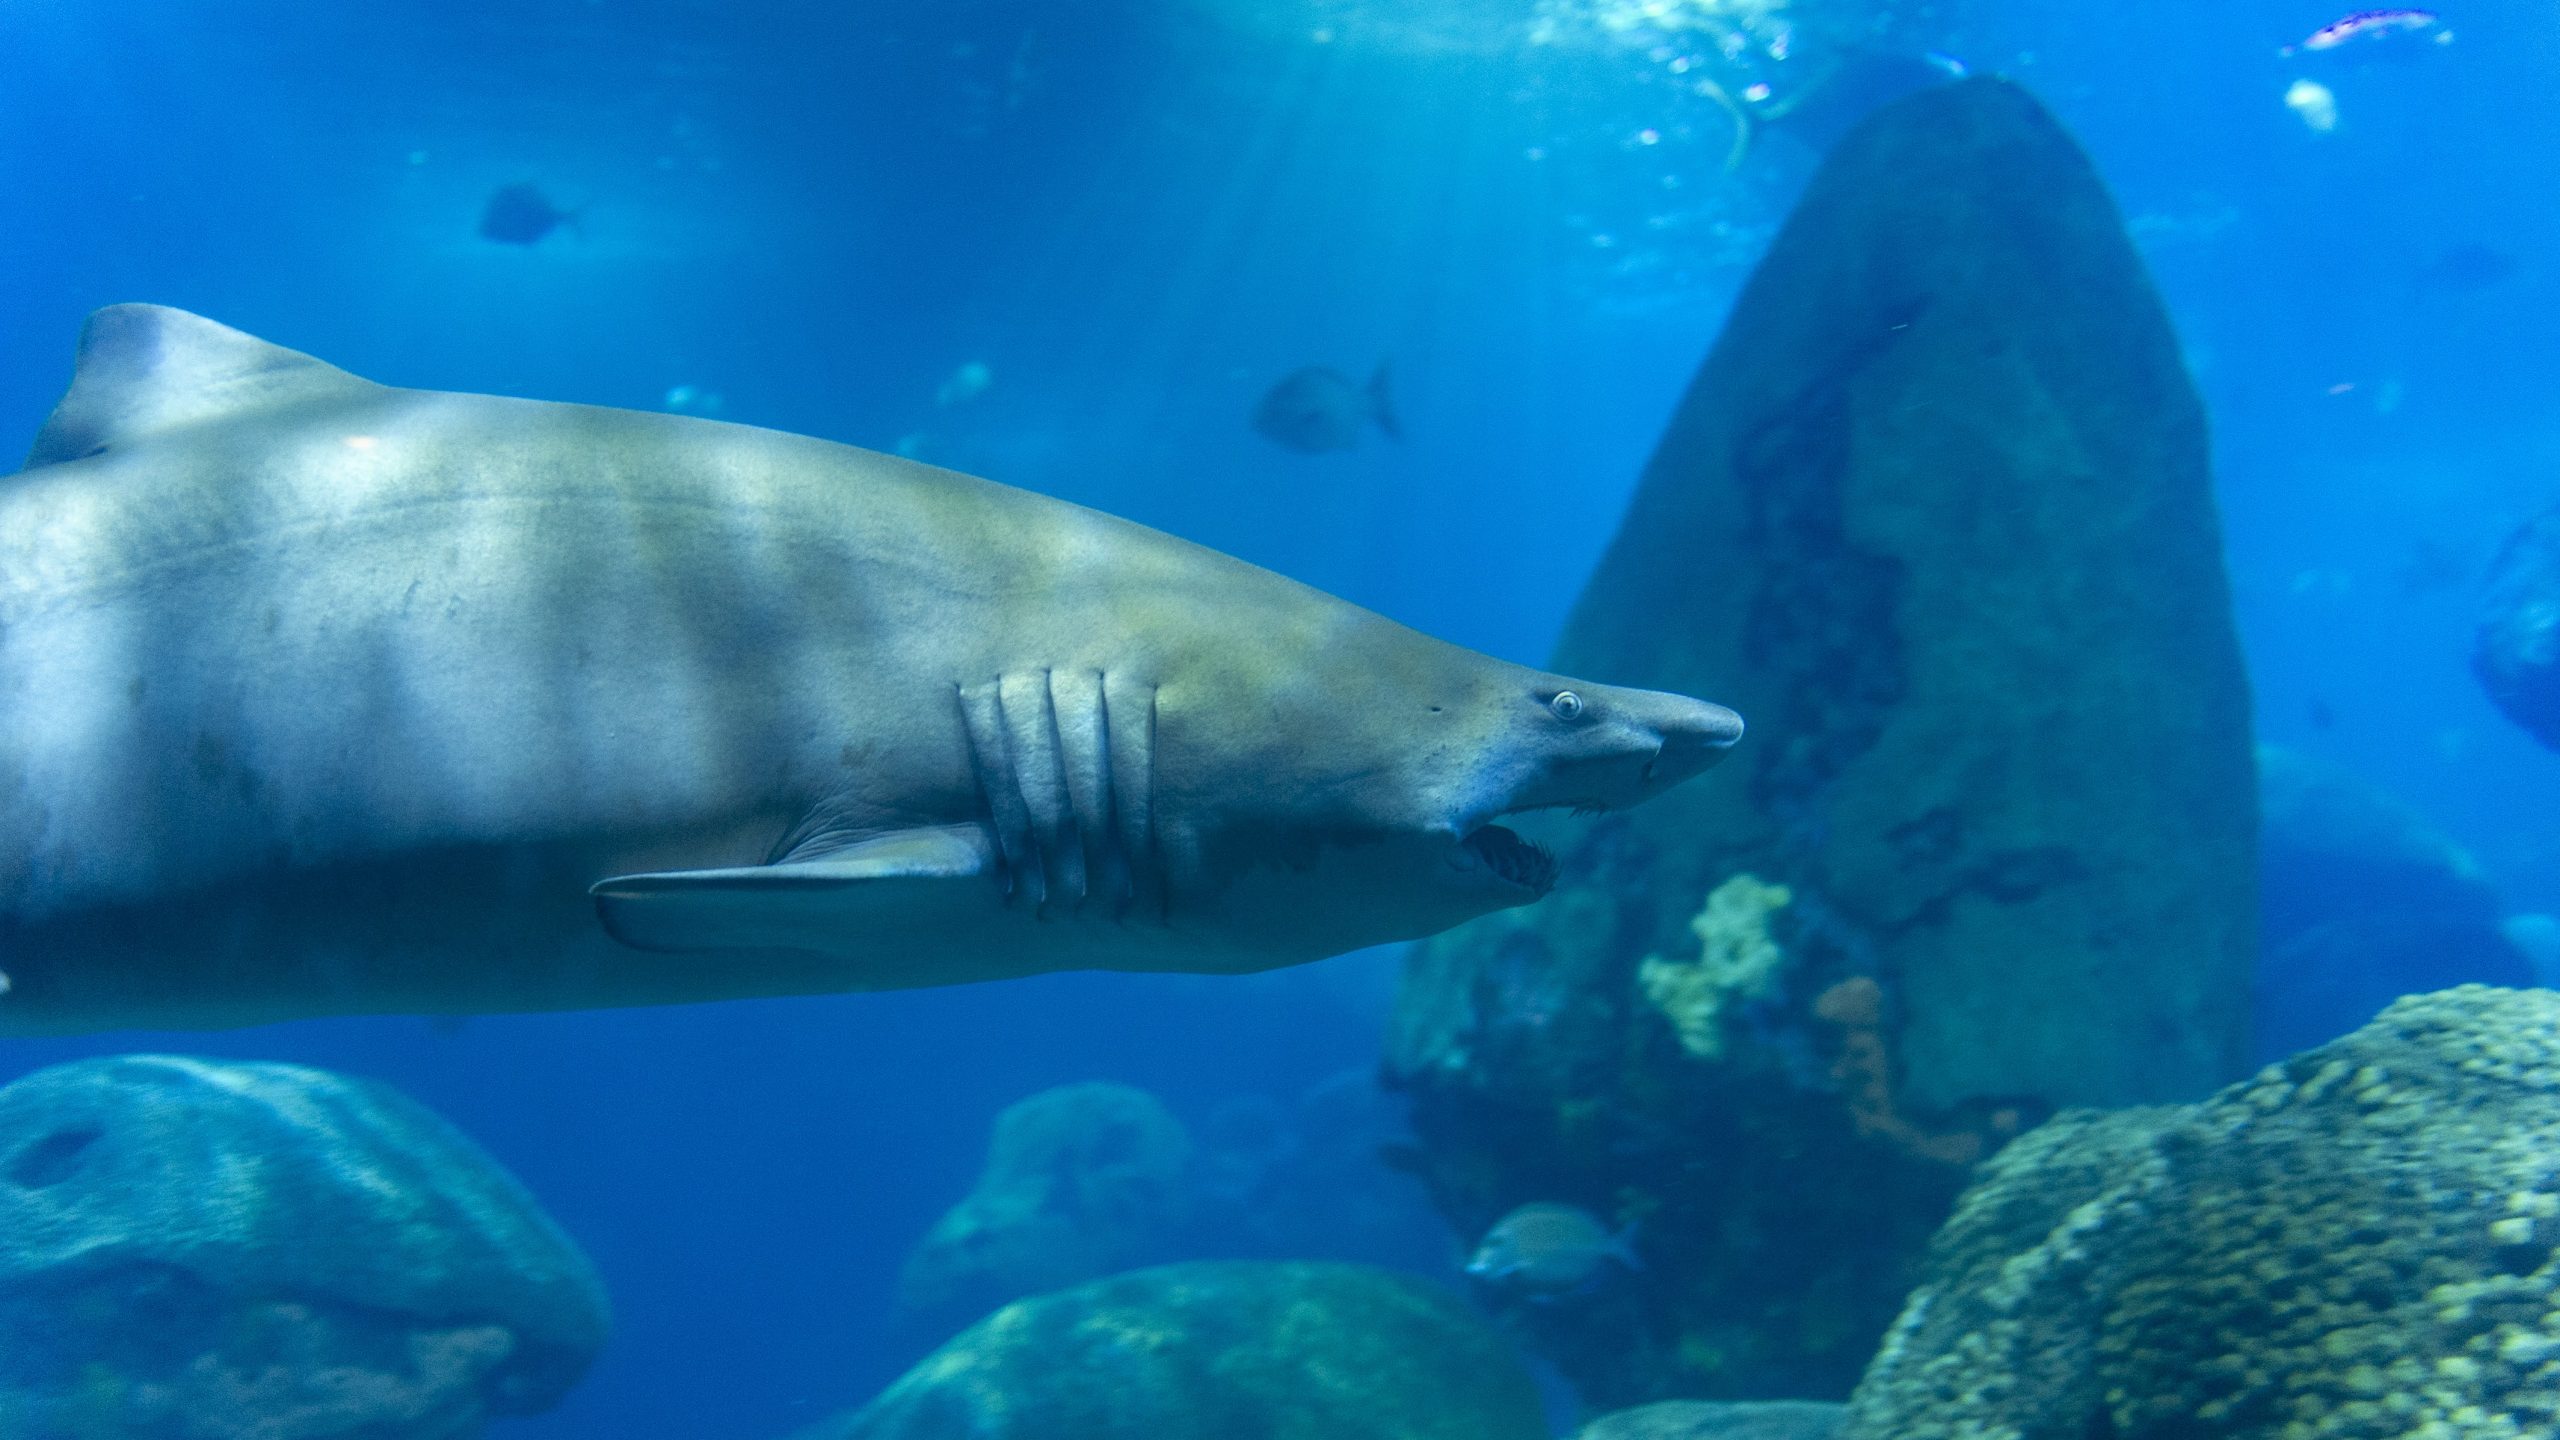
x=2357, y=1244
x=1080, y=1181
x=2517, y=651
x=196, y=1250
x=2360, y=901
x=1936, y=516
x=1216, y=1351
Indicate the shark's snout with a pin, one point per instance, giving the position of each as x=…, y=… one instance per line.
x=1693, y=734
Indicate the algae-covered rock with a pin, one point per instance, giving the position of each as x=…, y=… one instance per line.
x=1718, y=1420
x=2361, y=900
x=2356, y=1244
x=2516, y=653
x=1216, y=1351
x=1936, y=516
x=1080, y=1181
x=200, y=1250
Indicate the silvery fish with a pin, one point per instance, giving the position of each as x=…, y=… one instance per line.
x=2374, y=25
x=1544, y=1248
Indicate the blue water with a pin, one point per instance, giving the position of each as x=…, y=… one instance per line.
x=1136, y=215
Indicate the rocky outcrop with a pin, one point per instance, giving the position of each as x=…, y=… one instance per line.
x=1216, y=1351
x=1080, y=1181
x=2517, y=650
x=198, y=1250
x=2361, y=900
x=2357, y=1244
x=1935, y=515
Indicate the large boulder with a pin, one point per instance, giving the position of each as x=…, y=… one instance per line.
x=200, y=1250
x=2517, y=651
x=2361, y=900
x=1080, y=1181
x=1936, y=516
x=2357, y=1244
x=1216, y=1351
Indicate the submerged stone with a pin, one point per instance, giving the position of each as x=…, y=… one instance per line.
x=202, y=1250
x=1216, y=1351
x=1936, y=516
x=2361, y=900
x=2356, y=1244
x=2517, y=651
x=1080, y=1181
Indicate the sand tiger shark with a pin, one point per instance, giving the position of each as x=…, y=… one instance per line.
x=319, y=696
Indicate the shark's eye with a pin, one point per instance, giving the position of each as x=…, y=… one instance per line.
x=1567, y=705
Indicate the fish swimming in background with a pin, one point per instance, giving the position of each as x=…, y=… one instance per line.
x=325, y=697
x=1547, y=1249
x=2374, y=25
x=520, y=214
x=1319, y=409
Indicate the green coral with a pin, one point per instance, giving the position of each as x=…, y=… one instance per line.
x=2355, y=1245
x=1738, y=959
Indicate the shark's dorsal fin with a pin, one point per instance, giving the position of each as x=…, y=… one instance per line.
x=148, y=368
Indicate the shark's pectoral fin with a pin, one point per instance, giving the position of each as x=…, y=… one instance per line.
x=840, y=899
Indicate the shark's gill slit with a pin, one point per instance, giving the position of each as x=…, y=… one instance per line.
x=1132, y=736
x=1031, y=727
x=1084, y=732
x=990, y=760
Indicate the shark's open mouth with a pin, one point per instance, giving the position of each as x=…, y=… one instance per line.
x=1524, y=863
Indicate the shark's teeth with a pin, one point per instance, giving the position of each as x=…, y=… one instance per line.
x=1524, y=863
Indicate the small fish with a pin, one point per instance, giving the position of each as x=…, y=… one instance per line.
x=520, y=214
x=1546, y=1249
x=2374, y=25
x=1318, y=409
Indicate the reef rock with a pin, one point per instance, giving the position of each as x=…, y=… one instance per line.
x=1080, y=1181
x=1713, y=1420
x=2357, y=1244
x=1936, y=515
x=2361, y=901
x=2517, y=651
x=1215, y=1351
x=197, y=1250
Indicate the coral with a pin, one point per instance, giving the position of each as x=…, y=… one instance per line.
x=1737, y=960
x=2357, y=1244
x=1215, y=1351
x=1863, y=1069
